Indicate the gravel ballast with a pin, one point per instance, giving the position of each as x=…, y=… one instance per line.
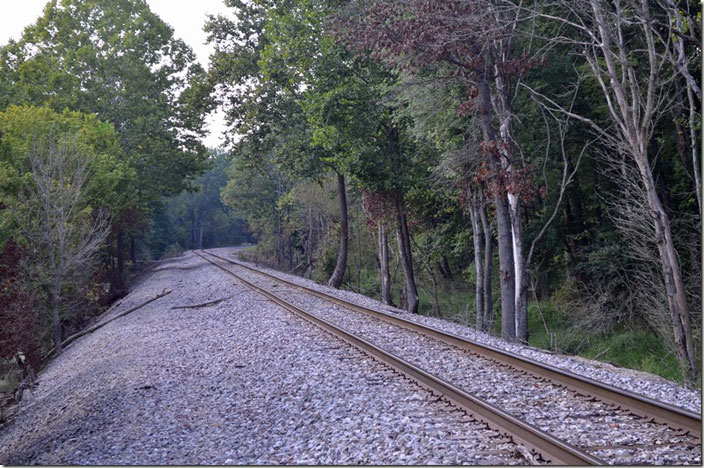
x=240, y=381
x=649, y=385
x=615, y=436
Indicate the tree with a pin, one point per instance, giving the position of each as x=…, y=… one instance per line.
x=120, y=61
x=66, y=174
x=18, y=312
x=475, y=39
x=198, y=218
x=67, y=235
x=295, y=33
x=253, y=193
x=636, y=94
x=320, y=115
x=432, y=106
x=682, y=37
x=343, y=104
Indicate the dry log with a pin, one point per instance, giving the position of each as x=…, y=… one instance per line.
x=205, y=304
x=99, y=325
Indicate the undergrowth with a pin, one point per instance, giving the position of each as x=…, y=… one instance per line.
x=634, y=346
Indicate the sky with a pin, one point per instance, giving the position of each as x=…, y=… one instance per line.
x=185, y=16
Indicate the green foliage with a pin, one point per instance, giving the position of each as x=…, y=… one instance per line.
x=307, y=104
x=64, y=180
x=633, y=346
x=120, y=61
x=27, y=129
x=197, y=218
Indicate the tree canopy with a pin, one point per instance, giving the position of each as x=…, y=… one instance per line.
x=484, y=132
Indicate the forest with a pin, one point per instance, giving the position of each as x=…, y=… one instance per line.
x=529, y=168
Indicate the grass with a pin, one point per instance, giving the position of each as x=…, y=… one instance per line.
x=549, y=327
x=9, y=376
x=634, y=347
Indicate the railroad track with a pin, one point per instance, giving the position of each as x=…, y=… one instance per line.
x=618, y=422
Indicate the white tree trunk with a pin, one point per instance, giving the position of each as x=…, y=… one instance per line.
x=384, y=264
x=635, y=120
x=521, y=303
x=479, y=267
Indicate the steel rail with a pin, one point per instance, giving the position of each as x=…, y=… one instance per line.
x=673, y=416
x=549, y=447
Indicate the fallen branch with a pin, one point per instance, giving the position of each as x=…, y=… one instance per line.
x=122, y=314
x=205, y=304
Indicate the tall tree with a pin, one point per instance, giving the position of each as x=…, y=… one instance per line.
x=611, y=35
x=418, y=34
x=70, y=175
x=120, y=61
x=287, y=55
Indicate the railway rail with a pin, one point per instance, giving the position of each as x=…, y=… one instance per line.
x=671, y=415
x=548, y=447
x=684, y=426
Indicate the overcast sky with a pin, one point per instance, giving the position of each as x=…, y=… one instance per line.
x=185, y=16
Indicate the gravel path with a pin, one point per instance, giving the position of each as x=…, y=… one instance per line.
x=237, y=382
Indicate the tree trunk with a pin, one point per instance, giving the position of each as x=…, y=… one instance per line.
x=503, y=221
x=289, y=254
x=695, y=150
x=694, y=94
x=434, y=283
x=384, y=265
x=521, y=274
x=488, y=265
x=54, y=262
x=404, y=247
x=359, y=258
x=337, y=275
x=112, y=267
x=56, y=314
x=479, y=267
x=120, y=277
x=309, y=245
x=445, y=268
x=506, y=272
x=133, y=250
x=634, y=108
x=279, y=241
x=201, y=224
x=672, y=274
x=502, y=104
x=192, y=215
x=542, y=288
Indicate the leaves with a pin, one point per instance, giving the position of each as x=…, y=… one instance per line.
x=120, y=61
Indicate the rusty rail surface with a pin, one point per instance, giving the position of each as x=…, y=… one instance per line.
x=547, y=446
x=674, y=416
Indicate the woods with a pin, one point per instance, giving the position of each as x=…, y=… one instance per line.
x=530, y=168
x=100, y=119
x=531, y=135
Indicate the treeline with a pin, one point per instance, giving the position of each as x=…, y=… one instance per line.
x=544, y=152
x=517, y=163
x=196, y=218
x=101, y=116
